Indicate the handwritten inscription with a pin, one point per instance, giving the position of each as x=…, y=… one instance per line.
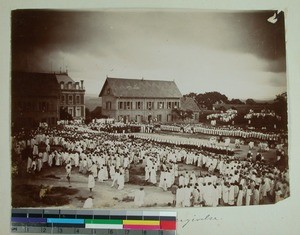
x=185, y=222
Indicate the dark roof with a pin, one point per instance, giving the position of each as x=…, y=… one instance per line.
x=188, y=103
x=34, y=84
x=64, y=77
x=135, y=88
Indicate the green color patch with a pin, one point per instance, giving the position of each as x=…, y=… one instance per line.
x=103, y=221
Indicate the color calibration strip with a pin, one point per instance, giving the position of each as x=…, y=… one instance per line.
x=93, y=222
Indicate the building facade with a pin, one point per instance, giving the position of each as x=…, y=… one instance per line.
x=132, y=100
x=34, y=99
x=71, y=95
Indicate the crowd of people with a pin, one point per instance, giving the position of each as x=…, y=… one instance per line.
x=263, y=113
x=218, y=176
x=225, y=117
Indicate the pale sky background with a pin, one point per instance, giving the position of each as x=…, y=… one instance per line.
x=239, y=54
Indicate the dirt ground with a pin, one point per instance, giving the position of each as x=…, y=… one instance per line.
x=25, y=190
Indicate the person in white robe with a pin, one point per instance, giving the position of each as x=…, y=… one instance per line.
x=33, y=166
x=187, y=196
x=153, y=179
x=278, y=195
x=195, y=196
x=68, y=172
x=147, y=173
x=186, y=178
x=50, y=159
x=35, y=150
x=179, y=196
x=139, y=197
x=45, y=157
x=161, y=178
x=101, y=174
x=248, y=195
x=120, y=181
x=127, y=175
x=76, y=159
x=29, y=163
x=256, y=195
x=112, y=171
x=91, y=182
x=181, y=180
x=94, y=170
x=116, y=177
x=165, y=184
x=215, y=196
x=88, y=203
x=225, y=195
x=240, y=197
x=105, y=174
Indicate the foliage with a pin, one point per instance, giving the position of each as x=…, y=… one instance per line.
x=183, y=114
x=191, y=95
x=250, y=102
x=280, y=108
x=210, y=98
x=64, y=115
x=236, y=101
x=90, y=115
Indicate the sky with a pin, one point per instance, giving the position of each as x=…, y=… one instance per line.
x=239, y=54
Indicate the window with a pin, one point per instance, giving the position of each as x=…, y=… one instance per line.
x=128, y=105
x=70, y=99
x=70, y=85
x=108, y=105
x=150, y=105
x=77, y=86
x=169, y=105
x=139, y=105
x=62, y=98
x=78, y=112
x=82, y=99
x=108, y=91
x=70, y=111
x=77, y=99
x=160, y=105
x=43, y=106
x=62, y=85
x=121, y=105
x=159, y=118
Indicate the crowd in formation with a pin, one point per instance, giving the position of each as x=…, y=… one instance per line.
x=218, y=176
x=224, y=131
x=226, y=117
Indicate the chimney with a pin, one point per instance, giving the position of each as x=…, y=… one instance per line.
x=81, y=81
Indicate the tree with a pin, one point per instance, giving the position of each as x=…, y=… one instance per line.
x=250, y=101
x=64, y=115
x=280, y=108
x=191, y=94
x=183, y=114
x=236, y=101
x=210, y=98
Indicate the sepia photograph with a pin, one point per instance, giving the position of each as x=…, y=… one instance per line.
x=148, y=108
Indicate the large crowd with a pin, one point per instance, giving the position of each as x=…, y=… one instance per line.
x=218, y=176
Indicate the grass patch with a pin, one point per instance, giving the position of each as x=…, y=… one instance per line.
x=28, y=196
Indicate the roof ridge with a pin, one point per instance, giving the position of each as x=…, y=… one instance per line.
x=138, y=79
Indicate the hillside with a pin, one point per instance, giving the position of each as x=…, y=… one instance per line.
x=92, y=101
